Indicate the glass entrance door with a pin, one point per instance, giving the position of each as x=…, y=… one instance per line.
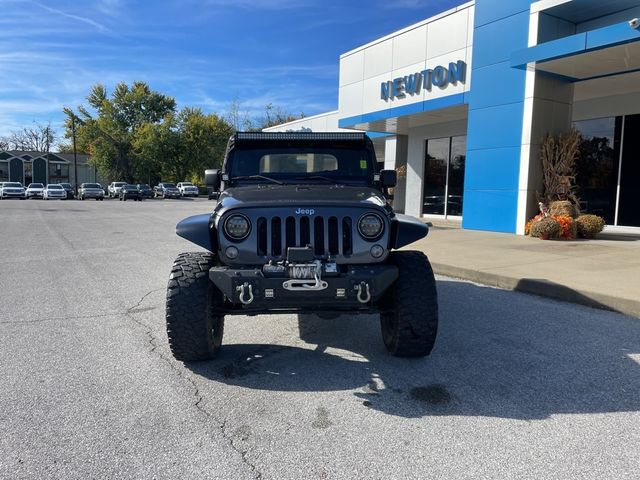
x=597, y=166
x=444, y=176
x=608, y=168
x=629, y=196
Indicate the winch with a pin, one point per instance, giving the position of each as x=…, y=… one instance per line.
x=302, y=276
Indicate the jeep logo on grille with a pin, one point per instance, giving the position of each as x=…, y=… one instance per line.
x=305, y=211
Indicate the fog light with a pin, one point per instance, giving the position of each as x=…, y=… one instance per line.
x=377, y=251
x=231, y=252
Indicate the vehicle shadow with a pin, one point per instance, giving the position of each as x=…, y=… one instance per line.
x=498, y=354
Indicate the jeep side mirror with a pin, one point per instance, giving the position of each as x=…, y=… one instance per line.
x=212, y=178
x=388, y=178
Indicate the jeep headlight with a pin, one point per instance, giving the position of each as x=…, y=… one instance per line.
x=370, y=226
x=237, y=227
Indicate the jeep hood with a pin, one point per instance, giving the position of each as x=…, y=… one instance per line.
x=302, y=195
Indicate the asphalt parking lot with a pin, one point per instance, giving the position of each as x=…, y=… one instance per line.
x=517, y=387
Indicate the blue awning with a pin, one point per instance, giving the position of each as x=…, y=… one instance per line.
x=603, y=52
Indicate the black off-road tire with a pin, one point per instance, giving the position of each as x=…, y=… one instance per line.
x=194, y=324
x=409, y=317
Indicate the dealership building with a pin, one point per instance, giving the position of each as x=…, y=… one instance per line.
x=459, y=103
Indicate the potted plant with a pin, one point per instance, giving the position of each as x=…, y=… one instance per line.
x=589, y=225
x=545, y=228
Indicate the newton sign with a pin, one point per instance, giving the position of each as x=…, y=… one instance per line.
x=439, y=76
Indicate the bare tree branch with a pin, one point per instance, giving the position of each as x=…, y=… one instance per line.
x=38, y=138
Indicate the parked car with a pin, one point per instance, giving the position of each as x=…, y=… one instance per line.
x=34, y=190
x=12, y=190
x=187, y=189
x=91, y=190
x=69, y=189
x=54, y=191
x=166, y=190
x=113, y=190
x=130, y=192
x=145, y=190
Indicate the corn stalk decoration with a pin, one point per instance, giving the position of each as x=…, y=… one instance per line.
x=559, y=154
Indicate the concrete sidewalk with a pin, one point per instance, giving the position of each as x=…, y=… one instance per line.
x=603, y=273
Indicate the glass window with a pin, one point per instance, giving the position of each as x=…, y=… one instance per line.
x=435, y=175
x=455, y=191
x=28, y=172
x=597, y=166
x=293, y=162
x=629, y=200
x=298, y=163
x=4, y=171
x=58, y=172
x=444, y=176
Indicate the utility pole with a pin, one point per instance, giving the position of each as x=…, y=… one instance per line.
x=73, y=118
x=75, y=155
x=48, y=159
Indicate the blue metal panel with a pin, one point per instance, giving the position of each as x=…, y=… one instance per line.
x=418, y=107
x=492, y=169
x=379, y=134
x=488, y=11
x=496, y=108
x=576, y=44
x=613, y=35
x=494, y=210
x=491, y=82
x=550, y=50
x=494, y=43
x=499, y=126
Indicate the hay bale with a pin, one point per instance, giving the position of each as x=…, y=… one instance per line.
x=563, y=208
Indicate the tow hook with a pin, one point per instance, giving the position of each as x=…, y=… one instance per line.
x=363, y=289
x=243, y=289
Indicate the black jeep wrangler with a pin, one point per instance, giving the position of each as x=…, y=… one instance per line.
x=301, y=225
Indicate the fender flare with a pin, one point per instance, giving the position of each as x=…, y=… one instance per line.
x=406, y=229
x=197, y=230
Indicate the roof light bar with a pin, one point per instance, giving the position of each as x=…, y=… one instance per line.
x=259, y=136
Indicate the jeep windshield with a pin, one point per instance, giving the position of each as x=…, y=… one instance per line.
x=300, y=165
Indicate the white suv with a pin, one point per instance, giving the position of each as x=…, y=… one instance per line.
x=12, y=190
x=187, y=189
x=34, y=190
x=54, y=191
x=114, y=188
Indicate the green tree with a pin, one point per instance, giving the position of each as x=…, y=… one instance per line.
x=183, y=145
x=108, y=131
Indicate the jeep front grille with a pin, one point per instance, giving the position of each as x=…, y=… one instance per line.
x=328, y=236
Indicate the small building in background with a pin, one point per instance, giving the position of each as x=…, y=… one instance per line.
x=41, y=167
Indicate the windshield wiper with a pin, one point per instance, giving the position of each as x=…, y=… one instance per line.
x=256, y=177
x=318, y=177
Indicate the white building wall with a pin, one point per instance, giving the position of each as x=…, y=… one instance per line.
x=325, y=122
x=607, y=97
x=442, y=39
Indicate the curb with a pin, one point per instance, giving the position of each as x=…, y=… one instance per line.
x=543, y=288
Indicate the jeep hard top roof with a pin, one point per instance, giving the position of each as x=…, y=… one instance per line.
x=242, y=140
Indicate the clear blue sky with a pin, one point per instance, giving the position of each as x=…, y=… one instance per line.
x=204, y=53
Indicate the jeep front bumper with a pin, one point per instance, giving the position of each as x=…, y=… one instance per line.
x=360, y=288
